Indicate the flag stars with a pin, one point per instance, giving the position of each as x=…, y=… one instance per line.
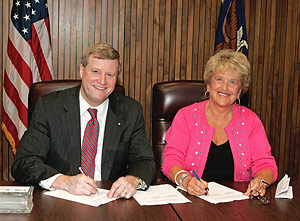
x=26, y=17
x=46, y=5
x=16, y=16
x=28, y=5
x=37, y=1
x=25, y=31
x=18, y=3
x=33, y=12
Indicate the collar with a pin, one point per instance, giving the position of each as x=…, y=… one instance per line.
x=84, y=106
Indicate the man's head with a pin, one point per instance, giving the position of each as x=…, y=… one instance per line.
x=101, y=51
x=99, y=69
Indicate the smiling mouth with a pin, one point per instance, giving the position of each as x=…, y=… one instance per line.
x=99, y=88
x=223, y=94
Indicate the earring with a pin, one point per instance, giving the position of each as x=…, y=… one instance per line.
x=206, y=95
x=239, y=101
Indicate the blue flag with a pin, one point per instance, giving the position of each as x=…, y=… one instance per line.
x=231, y=30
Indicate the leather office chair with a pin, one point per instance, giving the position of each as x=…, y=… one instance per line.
x=44, y=87
x=167, y=99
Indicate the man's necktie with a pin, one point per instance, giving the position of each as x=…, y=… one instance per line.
x=89, y=144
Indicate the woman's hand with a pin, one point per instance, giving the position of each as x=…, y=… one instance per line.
x=255, y=187
x=194, y=186
x=260, y=183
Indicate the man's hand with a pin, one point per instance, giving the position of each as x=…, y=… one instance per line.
x=78, y=185
x=124, y=187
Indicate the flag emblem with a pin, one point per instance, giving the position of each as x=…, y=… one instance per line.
x=231, y=30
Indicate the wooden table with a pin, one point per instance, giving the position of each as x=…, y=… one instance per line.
x=51, y=208
x=280, y=209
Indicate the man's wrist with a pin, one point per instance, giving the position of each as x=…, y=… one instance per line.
x=61, y=182
x=47, y=184
x=140, y=184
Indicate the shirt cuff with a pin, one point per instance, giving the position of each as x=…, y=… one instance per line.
x=46, y=184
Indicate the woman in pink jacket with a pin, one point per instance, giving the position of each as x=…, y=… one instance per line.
x=218, y=139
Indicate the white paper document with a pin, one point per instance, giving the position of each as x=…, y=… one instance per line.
x=160, y=194
x=283, y=190
x=93, y=200
x=221, y=194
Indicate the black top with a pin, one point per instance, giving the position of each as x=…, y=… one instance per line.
x=219, y=165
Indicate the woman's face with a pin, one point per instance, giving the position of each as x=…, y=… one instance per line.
x=224, y=87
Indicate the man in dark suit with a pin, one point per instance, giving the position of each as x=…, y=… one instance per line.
x=50, y=153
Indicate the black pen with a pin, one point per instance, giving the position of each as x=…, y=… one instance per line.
x=206, y=189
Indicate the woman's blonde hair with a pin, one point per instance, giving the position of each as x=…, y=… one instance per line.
x=229, y=59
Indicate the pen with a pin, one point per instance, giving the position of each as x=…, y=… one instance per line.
x=206, y=189
x=81, y=171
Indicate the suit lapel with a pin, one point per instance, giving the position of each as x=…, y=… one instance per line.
x=70, y=121
x=114, y=127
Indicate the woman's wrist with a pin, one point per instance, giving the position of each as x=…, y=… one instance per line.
x=185, y=182
x=265, y=177
x=177, y=174
x=182, y=177
x=266, y=184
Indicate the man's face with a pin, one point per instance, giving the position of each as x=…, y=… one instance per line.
x=99, y=78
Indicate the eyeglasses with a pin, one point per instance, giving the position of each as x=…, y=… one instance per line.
x=262, y=199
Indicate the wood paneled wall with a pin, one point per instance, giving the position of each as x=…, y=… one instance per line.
x=162, y=40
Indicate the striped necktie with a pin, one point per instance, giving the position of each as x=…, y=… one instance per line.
x=89, y=144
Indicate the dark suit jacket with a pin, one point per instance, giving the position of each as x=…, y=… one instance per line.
x=52, y=142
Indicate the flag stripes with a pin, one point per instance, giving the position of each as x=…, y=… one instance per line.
x=29, y=60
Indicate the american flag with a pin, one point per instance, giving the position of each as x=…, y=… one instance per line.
x=29, y=59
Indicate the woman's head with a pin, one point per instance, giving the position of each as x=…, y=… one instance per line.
x=228, y=59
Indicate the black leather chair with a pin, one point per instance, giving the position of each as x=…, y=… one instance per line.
x=44, y=87
x=167, y=99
